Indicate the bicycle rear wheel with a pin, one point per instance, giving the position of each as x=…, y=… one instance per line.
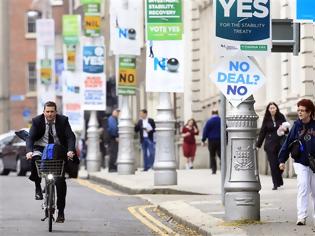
x=50, y=205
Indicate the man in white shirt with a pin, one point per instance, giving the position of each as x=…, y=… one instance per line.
x=146, y=128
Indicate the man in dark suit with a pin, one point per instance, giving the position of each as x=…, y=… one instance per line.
x=46, y=128
x=146, y=128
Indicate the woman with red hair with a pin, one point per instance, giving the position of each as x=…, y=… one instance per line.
x=303, y=130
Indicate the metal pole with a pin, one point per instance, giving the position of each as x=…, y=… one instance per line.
x=242, y=185
x=165, y=164
x=126, y=156
x=93, y=157
x=223, y=144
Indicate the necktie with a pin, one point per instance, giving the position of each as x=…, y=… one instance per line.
x=50, y=134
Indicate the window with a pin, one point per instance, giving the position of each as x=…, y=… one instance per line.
x=32, y=16
x=31, y=77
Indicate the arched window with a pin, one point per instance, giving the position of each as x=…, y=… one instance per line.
x=32, y=16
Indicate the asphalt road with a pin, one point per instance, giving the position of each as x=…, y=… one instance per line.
x=90, y=210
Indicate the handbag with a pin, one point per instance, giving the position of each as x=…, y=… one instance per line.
x=311, y=160
x=295, y=148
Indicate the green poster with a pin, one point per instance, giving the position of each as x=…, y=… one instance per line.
x=164, y=19
x=127, y=76
x=92, y=20
x=90, y=1
x=70, y=29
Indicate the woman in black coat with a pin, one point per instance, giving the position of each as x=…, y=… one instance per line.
x=268, y=132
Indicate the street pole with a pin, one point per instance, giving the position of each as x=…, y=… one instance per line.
x=93, y=157
x=126, y=156
x=223, y=143
x=242, y=184
x=165, y=164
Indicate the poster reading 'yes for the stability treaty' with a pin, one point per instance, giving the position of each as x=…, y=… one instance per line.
x=165, y=66
x=242, y=26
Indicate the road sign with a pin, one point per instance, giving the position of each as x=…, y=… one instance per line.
x=237, y=78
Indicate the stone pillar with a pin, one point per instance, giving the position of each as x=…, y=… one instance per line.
x=93, y=157
x=126, y=155
x=242, y=184
x=165, y=163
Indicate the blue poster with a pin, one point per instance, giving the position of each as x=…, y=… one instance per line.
x=243, y=26
x=93, y=59
x=305, y=10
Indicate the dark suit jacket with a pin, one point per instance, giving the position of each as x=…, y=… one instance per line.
x=269, y=133
x=63, y=131
x=139, y=128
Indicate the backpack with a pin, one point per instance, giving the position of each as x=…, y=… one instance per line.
x=54, y=152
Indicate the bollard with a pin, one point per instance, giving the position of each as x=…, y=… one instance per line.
x=93, y=158
x=165, y=164
x=126, y=156
x=242, y=184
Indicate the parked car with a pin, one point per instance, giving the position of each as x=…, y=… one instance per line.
x=12, y=155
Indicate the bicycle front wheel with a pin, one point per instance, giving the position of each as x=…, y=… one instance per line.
x=50, y=205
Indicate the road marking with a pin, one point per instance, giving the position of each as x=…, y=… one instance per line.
x=97, y=188
x=145, y=218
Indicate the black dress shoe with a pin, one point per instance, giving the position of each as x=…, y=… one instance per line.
x=274, y=188
x=38, y=194
x=60, y=218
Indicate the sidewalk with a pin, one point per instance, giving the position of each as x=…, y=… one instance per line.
x=196, y=201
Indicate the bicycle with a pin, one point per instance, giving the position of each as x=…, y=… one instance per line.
x=49, y=170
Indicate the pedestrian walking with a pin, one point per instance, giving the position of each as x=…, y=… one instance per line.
x=303, y=130
x=189, y=131
x=112, y=129
x=146, y=127
x=272, y=121
x=211, y=132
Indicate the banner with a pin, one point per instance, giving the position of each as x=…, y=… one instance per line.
x=237, y=78
x=127, y=75
x=45, y=32
x=305, y=10
x=71, y=100
x=92, y=19
x=71, y=25
x=242, y=27
x=125, y=28
x=94, y=82
x=59, y=68
x=45, y=62
x=165, y=66
x=164, y=20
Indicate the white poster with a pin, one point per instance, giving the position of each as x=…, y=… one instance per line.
x=72, y=105
x=45, y=32
x=93, y=78
x=165, y=66
x=125, y=28
x=45, y=62
x=237, y=78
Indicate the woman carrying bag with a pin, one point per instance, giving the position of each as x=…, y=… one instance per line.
x=301, y=144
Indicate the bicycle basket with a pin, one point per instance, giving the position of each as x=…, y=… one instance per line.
x=54, y=167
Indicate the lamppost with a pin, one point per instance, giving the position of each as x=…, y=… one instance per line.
x=242, y=184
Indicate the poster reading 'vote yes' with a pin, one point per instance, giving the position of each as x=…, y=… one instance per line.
x=237, y=78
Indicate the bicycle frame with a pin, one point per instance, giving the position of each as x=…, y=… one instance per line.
x=49, y=170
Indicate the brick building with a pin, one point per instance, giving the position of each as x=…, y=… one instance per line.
x=22, y=57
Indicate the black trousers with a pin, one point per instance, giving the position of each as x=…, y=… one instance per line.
x=276, y=173
x=60, y=182
x=113, y=152
x=214, y=147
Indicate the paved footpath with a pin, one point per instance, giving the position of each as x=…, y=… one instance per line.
x=196, y=201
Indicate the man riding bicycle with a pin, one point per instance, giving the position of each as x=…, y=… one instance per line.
x=47, y=128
